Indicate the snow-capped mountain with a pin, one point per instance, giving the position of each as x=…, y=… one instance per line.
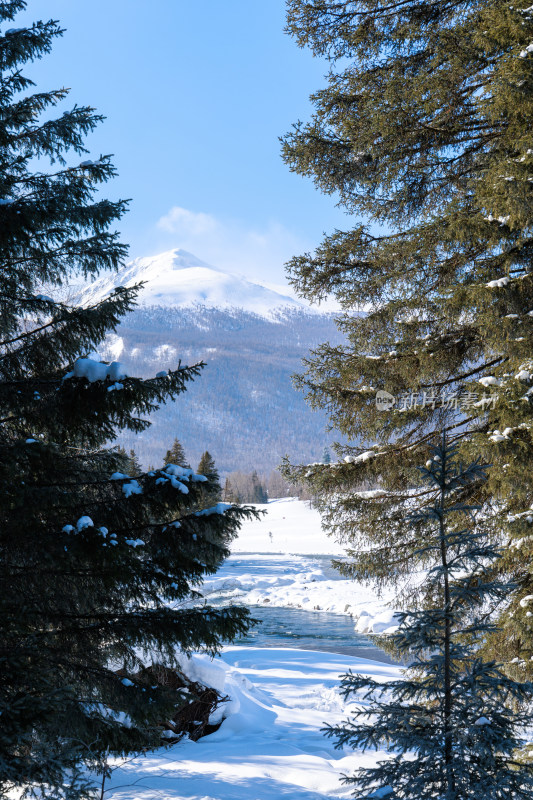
x=252, y=338
x=177, y=279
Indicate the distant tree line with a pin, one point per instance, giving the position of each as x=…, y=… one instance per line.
x=243, y=487
x=239, y=486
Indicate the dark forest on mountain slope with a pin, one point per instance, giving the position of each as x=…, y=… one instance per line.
x=243, y=408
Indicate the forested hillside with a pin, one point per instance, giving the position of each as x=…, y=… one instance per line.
x=243, y=408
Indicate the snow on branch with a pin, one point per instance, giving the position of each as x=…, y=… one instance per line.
x=97, y=370
x=220, y=508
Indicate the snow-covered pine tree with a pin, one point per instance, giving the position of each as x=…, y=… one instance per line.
x=176, y=455
x=423, y=133
x=97, y=568
x=451, y=722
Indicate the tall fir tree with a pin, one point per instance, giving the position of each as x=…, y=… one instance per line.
x=423, y=134
x=135, y=464
x=97, y=568
x=208, y=468
x=176, y=455
x=450, y=722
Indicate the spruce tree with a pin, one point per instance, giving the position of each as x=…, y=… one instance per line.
x=97, y=568
x=423, y=135
x=176, y=455
x=450, y=722
x=208, y=468
x=134, y=464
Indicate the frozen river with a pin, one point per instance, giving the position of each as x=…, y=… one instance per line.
x=281, y=569
x=321, y=630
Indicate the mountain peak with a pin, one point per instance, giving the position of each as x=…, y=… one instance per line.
x=177, y=278
x=179, y=258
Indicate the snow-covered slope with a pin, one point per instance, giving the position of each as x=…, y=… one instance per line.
x=270, y=746
x=178, y=279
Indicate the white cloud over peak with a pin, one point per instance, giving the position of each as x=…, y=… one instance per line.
x=257, y=252
x=183, y=222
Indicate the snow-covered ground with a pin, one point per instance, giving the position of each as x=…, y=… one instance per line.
x=274, y=562
x=270, y=746
x=270, y=743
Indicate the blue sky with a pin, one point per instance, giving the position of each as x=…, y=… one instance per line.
x=195, y=95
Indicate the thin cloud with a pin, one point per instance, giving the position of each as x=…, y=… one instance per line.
x=257, y=252
x=183, y=222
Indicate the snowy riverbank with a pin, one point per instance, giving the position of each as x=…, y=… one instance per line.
x=280, y=561
x=270, y=746
x=270, y=743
